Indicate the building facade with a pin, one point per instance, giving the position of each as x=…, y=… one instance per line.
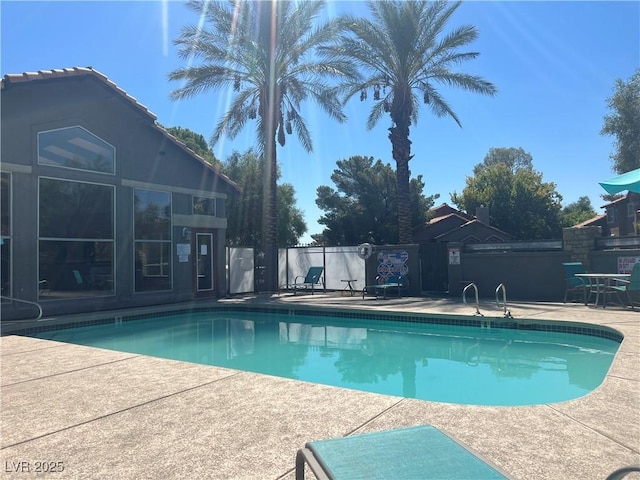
x=101, y=207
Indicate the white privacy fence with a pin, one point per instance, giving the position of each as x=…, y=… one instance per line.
x=241, y=265
x=340, y=263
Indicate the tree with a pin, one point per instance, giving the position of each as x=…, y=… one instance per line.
x=405, y=51
x=291, y=224
x=195, y=142
x=245, y=216
x=624, y=124
x=364, y=206
x=267, y=52
x=577, y=212
x=514, y=158
x=519, y=202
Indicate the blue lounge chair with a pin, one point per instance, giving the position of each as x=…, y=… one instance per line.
x=312, y=278
x=407, y=453
x=395, y=283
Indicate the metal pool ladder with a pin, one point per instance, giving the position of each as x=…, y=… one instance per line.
x=464, y=297
x=503, y=289
x=37, y=305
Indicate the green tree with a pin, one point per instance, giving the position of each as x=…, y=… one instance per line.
x=267, y=52
x=577, y=212
x=291, y=224
x=363, y=208
x=245, y=216
x=405, y=53
x=519, y=202
x=514, y=158
x=624, y=124
x=195, y=142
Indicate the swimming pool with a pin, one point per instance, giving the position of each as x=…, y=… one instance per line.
x=429, y=361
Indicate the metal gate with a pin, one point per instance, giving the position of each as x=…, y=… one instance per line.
x=433, y=267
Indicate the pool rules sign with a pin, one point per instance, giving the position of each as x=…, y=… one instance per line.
x=454, y=256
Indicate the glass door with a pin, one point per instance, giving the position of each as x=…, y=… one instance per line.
x=204, y=259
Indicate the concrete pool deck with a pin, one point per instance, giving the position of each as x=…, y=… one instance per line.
x=105, y=414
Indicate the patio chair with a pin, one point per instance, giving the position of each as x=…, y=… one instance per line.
x=629, y=287
x=407, y=453
x=79, y=280
x=312, y=278
x=575, y=284
x=395, y=282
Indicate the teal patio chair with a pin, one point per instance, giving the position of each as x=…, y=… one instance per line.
x=422, y=452
x=396, y=283
x=629, y=287
x=312, y=278
x=574, y=284
x=586, y=287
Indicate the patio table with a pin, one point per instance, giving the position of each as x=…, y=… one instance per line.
x=600, y=283
x=349, y=286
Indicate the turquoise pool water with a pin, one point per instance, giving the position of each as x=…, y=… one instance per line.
x=443, y=363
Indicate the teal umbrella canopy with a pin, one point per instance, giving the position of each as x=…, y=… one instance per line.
x=627, y=181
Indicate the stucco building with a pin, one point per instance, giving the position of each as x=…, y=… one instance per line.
x=101, y=207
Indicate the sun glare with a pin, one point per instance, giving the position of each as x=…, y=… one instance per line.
x=165, y=28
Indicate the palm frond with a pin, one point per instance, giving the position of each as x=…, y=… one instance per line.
x=200, y=79
x=377, y=112
x=472, y=83
x=302, y=132
x=235, y=118
x=439, y=106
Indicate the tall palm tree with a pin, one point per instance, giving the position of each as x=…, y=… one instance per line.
x=404, y=53
x=267, y=53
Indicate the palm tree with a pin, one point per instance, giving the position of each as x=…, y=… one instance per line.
x=405, y=52
x=267, y=52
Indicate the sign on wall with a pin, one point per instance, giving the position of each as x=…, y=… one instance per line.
x=454, y=256
x=625, y=264
x=183, y=251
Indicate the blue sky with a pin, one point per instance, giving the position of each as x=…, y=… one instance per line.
x=554, y=64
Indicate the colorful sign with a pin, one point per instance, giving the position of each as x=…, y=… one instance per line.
x=392, y=262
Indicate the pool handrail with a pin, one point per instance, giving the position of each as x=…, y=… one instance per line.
x=464, y=297
x=28, y=303
x=503, y=305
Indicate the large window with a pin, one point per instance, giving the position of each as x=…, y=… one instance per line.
x=5, y=233
x=152, y=241
x=76, y=239
x=77, y=148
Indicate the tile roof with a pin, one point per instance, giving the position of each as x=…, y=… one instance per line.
x=470, y=224
x=616, y=200
x=17, y=78
x=446, y=217
x=591, y=221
